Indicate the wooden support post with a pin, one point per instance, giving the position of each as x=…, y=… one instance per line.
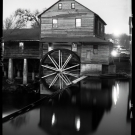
x=25, y=72
x=33, y=76
x=10, y=69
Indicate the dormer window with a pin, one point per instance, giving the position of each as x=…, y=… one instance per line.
x=72, y=5
x=60, y=6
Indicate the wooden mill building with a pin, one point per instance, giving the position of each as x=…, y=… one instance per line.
x=67, y=24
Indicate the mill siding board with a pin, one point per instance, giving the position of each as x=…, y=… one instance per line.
x=66, y=20
x=101, y=57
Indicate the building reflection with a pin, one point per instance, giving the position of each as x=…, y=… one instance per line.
x=19, y=121
x=82, y=113
x=130, y=103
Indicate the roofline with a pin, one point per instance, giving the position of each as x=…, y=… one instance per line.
x=101, y=19
x=19, y=40
x=48, y=8
x=92, y=12
x=76, y=2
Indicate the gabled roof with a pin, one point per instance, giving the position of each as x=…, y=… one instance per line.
x=21, y=34
x=70, y=0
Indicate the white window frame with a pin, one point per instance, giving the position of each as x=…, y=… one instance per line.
x=60, y=6
x=72, y=5
x=21, y=46
x=55, y=23
x=50, y=47
x=74, y=47
x=78, y=22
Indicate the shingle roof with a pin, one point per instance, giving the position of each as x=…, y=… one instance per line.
x=21, y=34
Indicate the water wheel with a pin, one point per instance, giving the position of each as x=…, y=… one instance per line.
x=58, y=68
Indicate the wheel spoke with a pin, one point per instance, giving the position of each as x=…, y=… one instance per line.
x=65, y=78
x=54, y=80
x=52, y=61
x=59, y=60
x=48, y=75
x=49, y=67
x=62, y=79
x=69, y=82
x=60, y=82
x=55, y=62
x=74, y=70
x=71, y=67
x=68, y=73
x=66, y=62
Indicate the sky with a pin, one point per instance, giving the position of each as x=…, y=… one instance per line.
x=114, y=12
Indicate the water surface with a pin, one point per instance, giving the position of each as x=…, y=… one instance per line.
x=91, y=107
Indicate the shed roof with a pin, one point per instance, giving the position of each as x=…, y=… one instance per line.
x=34, y=35
x=21, y=34
x=91, y=39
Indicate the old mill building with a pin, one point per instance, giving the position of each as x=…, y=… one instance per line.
x=69, y=43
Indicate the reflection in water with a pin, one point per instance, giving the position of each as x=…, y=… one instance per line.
x=80, y=112
x=19, y=121
x=53, y=119
x=84, y=109
x=115, y=93
x=130, y=104
x=77, y=123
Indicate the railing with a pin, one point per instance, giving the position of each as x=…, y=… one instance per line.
x=20, y=53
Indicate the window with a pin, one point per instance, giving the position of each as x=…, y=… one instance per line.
x=60, y=6
x=78, y=22
x=2, y=48
x=74, y=47
x=50, y=47
x=95, y=49
x=54, y=23
x=21, y=46
x=72, y=5
x=88, y=54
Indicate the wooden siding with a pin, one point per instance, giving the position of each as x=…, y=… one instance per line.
x=91, y=69
x=66, y=21
x=97, y=28
x=31, y=50
x=101, y=58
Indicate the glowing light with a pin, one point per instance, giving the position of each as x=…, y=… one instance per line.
x=114, y=53
x=53, y=119
x=115, y=94
x=118, y=46
x=77, y=123
x=116, y=32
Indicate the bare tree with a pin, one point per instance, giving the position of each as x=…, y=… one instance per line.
x=20, y=19
x=14, y=22
x=28, y=16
